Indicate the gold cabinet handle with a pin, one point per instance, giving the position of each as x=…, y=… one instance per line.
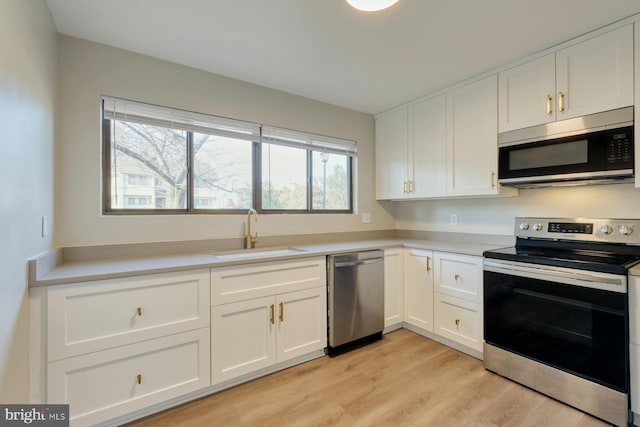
x=493, y=179
x=561, y=102
x=549, y=110
x=139, y=378
x=281, y=311
x=273, y=320
x=457, y=322
x=139, y=311
x=457, y=277
x=410, y=186
x=428, y=263
x=404, y=186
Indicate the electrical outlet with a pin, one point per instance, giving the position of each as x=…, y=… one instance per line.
x=366, y=217
x=453, y=219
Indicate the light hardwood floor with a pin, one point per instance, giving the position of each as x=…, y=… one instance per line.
x=403, y=380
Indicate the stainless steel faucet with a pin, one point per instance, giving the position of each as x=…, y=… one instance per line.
x=251, y=240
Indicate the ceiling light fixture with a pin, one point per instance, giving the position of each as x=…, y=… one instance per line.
x=371, y=5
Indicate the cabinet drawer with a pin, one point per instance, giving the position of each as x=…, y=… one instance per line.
x=459, y=276
x=459, y=320
x=237, y=283
x=111, y=383
x=93, y=316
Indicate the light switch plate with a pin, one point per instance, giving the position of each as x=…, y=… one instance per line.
x=453, y=219
x=366, y=217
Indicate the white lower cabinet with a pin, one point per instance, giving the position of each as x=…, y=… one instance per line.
x=418, y=288
x=443, y=296
x=458, y=320
x=242, y=338
x=259, y=331
x=110, y=383
x=458, y=299
x=120, y=345
x=393, y=287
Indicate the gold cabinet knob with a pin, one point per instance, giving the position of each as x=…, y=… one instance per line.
x=139, y=311
x=139, y=378
x=457, y=322
x=457, y=277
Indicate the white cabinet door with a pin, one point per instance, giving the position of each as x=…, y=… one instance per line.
x=393, y=286
x=472, y=140
x=595, y=75
x=427, y=147
x=391, y=154
x=418, y=288
x=526, y=94
x=302, y=323
x=242, y=338
x=106, y=384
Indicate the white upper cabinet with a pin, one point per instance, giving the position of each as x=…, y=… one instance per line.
x=592, y=76
x=595, y=75
x=410, y=151
x=427, y=137
x=472, y=140
x=526, y=94
x=391, y=154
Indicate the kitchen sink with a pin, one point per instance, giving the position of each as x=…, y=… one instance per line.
x=259, y=253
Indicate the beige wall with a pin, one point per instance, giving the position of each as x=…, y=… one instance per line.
x=27, y=91
x=88, y=70
x=496, y=215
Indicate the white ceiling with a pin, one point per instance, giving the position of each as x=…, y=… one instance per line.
x=325, y=50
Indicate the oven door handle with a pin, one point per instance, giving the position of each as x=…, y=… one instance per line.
x=568, y=276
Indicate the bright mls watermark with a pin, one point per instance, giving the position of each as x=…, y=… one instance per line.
x=35, y=415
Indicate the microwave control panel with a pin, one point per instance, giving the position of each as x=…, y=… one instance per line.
x=620, y=148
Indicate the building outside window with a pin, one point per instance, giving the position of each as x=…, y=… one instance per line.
x=162, y=160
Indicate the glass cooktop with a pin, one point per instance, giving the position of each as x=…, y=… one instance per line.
x=616, y=259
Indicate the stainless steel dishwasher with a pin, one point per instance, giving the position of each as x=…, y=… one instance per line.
x=356, y=299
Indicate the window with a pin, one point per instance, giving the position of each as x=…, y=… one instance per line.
x=139, y=179
x=162, y=160
x=140, y=201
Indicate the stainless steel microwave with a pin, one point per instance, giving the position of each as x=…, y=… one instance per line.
x=592, y=149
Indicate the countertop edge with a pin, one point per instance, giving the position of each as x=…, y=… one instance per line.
x=49, y=269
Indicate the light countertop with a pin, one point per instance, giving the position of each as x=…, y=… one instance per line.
x=82, y=271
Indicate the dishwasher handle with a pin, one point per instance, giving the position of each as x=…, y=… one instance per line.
x=354, y=263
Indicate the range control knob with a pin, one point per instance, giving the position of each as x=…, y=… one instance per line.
x=537, y=226
x=625, y=229
x=524, y=226
x=606, y=229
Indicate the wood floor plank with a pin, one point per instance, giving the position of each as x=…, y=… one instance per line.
x=402, y=380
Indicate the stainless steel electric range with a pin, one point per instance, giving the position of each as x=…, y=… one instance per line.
x=556, y=315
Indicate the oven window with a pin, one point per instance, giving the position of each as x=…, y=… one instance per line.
x=568, y=153
x=579, y=330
